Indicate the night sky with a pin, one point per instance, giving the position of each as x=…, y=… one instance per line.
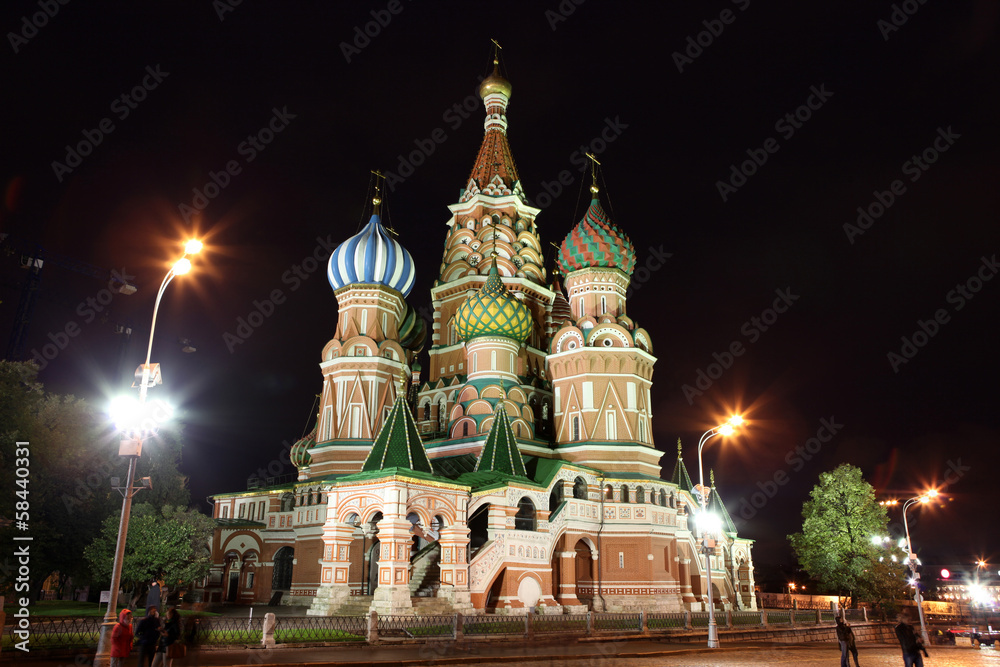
x=738, y=140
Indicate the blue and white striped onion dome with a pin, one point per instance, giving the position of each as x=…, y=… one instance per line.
x=371, y=257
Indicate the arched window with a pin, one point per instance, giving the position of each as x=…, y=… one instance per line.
x=625, y=493
x=580, y=488
x=609, y=493
x=576, y=429
x=640, y=495
x=663, y=498
x=556, y=496
x=525, y=517
x=287, y=502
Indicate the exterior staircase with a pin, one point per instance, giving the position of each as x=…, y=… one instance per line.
x=425, y=575
x=356, y=605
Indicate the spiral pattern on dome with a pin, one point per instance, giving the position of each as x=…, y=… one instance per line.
x=493, y=311
x=371, y=257
x=596, y=241
x=299, y=454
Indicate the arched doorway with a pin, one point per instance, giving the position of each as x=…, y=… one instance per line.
x=281, y=577
x=373, y=558
x=232, y=576
x=584, y=573
x=478, y=529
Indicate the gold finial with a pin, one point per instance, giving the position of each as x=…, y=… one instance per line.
x=593, y=173
x=678, y=448
x=496, y=51
x=377, y=199
x=711, y=477
x=404, y=376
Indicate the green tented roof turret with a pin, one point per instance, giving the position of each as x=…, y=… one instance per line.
x=500, y=453
x=398, y=444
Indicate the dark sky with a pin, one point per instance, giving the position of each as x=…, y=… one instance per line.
x=864, y=96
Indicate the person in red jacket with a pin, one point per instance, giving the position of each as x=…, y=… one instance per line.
x=121, y=639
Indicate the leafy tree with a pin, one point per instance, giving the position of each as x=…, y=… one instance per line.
x=73, y=455
x=836, y=546
x=169, y=543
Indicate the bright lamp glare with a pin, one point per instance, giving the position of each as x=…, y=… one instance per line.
x=933, y=493
x=123, y=411
x=193, y=247
x=137, y=419
x=182, y=266
x=726, y=429
x=736, y=420
x=708, y=523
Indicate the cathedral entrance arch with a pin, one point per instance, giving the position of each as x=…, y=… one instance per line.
x=584, y=573
x=373, y=558
x=281, y=578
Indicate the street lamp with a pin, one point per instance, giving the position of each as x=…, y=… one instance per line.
x=708, y=522
x=912, y=560
x=131, y=447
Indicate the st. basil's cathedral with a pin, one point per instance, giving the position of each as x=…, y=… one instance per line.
x=521, y=474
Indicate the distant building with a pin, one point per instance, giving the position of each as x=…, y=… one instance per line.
x=527, y=476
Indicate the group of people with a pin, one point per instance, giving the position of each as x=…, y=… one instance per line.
x=909, y=641
x=154, y=637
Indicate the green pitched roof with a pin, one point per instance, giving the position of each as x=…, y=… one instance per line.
x=716, y=505
x=680, y=476
x=398, y=444
x=500, y=452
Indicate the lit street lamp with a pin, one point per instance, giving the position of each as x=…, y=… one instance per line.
x=911, y=559
x=130, y=446
x=709, y=524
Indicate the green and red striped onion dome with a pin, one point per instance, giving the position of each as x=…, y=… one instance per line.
x=595, y=241
x=299, y=454
x=493, y=311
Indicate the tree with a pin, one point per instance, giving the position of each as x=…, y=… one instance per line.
x=168, y=543
x=841, y=545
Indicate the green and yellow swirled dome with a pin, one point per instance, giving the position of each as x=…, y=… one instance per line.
x=493, y=311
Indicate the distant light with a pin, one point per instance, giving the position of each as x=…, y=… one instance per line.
x=945, y=574
x=193, y=247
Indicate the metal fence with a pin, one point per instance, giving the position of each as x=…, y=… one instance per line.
x=490, y=624
x=416, y=626
x=561, y=623
x=82, y=633
x=617, y=622
x=658, y=621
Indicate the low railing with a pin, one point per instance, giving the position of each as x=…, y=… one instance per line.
x=82, y=633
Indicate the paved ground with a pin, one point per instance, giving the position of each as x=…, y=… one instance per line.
x=596, y=654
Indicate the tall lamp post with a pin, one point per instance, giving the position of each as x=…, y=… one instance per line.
x=912, y=560
x=709, y=525
x=130, y=446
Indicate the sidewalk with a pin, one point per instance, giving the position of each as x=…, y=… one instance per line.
x=448, y=652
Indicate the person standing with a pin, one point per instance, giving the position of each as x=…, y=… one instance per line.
x=121, y=638
x=910, y=643
x=148, y=633
x=153, y=597
x=169, y=633
x=852, y=644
